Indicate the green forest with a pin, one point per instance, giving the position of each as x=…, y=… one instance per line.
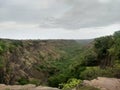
x=59, y=63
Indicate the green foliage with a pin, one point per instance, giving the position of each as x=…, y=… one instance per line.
x=89, y=58
x=117, y=45
x=55, y=80
x=101, y=48
x=17, y=43
x=2, y=47
x=116, y=70
x=89, y=73
x=1, y=62
x=6, y=46
x=117, y=34
x=23, y=81
x=35, y=82
x=71, y=83
x=94, y=72
x=76, y=70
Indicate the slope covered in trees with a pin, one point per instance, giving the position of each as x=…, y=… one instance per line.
x=59, y=63
x=34, y=61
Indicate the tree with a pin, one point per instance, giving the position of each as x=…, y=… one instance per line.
x=101, y=47
x=117, y=44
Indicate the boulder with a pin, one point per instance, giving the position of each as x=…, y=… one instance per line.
x=104, y=83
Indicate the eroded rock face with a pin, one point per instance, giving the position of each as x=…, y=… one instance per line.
x=25, y=87
x=104, y=83
x=30, y=59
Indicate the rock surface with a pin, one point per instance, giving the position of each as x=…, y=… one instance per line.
x=101, y=82
x=25, y=87
x=104, y=83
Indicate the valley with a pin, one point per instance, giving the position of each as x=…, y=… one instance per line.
x=59, y=63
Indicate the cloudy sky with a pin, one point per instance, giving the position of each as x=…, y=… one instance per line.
x=58, y=19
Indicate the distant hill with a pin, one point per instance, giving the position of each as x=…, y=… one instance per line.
x=85, y=41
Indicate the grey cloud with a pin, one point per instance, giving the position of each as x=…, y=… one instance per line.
x=68, y=14
x=26, y=11
x=90, y=13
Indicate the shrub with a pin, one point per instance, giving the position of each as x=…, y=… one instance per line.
x=55, y=80
x=23, y=81
x=71, y=83
x=116, y=71
x=35, y=82
x=94, y=72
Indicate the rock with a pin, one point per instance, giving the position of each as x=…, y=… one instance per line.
x=45, y=88
x=25, y=87
x=104, y=83
x=30, y=86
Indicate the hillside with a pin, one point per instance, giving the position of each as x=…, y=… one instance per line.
x=33, y=60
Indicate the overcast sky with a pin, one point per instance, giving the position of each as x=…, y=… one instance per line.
x=58, y=19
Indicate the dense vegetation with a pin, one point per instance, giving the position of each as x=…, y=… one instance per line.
x=61, y=63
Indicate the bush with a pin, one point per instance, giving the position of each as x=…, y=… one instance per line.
x=116, y=71
x=23, y=81
x=71, y=83
x=55, y=80
x=94, y=72
x=35, y=82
